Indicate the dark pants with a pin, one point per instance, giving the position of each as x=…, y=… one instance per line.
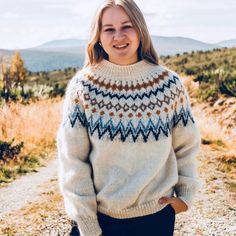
x=160, y=223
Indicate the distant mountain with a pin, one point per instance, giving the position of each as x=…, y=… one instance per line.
x=163, y=45
x=43, y=60
x=65, y=43
x=173, y=45
x=74, y=46
x=228, y=43
x=60, y=54
x=49, y=60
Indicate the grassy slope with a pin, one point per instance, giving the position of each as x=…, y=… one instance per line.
x=198, y=61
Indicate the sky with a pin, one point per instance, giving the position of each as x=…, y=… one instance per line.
x=29, y=23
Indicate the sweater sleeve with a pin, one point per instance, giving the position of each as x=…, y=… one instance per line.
x=75, y=177
x=186, y=140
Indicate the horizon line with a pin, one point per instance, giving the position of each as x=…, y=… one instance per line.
x=85, y=39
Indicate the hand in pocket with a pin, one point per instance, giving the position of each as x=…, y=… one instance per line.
x=177, y=204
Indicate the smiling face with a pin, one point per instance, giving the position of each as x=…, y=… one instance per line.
x=118, y=37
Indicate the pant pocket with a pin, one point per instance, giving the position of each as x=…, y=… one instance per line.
x=110, y=226
x=172, y=209
x=74, y=229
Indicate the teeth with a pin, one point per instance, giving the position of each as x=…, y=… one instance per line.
x=121, y=46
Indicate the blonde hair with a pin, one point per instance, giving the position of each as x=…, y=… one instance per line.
x=95, y=53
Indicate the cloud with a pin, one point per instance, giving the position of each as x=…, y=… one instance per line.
x=57, y=6
x=149, y=14
x=10, y=15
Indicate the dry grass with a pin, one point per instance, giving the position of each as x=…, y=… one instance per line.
x=227, y=164
x=190, y=85
x=34, y=124
x=211, y=129
x=209, y=123
x=216, y=133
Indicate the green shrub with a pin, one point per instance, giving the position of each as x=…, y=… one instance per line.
x=190, y=71
x=57, y=91
x=228, y=87
x=8, y=151
x=204, y=77
x=207, y=90
x=6, y=172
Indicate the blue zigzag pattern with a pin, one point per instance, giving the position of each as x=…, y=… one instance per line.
x=78, y=115
x=97, y=91
x=124, y=132
x=183, y=117
x=110, y=130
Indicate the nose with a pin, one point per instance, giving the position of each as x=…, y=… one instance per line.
x=118, y=35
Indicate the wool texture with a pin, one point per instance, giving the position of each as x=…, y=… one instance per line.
x=127, y=138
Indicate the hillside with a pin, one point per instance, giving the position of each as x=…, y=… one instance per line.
x=195, y=62
x=215, y=71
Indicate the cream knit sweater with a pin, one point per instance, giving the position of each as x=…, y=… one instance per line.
x=126, y=139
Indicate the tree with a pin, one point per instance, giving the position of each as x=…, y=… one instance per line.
x=18, y=72
x=7, y=85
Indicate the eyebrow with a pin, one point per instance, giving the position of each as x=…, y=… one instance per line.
x=127, y=21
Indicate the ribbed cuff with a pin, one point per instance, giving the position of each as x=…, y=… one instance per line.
x=187, y=192
x=188, y=202
x=89, y=227
x=186, y=195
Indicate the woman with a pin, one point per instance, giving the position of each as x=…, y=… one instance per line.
x=128, y=141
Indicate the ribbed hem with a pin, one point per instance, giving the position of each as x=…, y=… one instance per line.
x=140, y=210
x=89, y=226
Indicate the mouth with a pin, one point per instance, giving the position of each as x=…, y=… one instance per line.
x=121, y=46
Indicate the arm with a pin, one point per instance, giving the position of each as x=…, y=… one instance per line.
x=73, y=149
x=186, y=140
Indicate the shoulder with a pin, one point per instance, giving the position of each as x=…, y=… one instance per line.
x=77, y=81
x=75, y=85
x=172, y=75
x=174, y=86
x=169, y=72
x=161, y=69
x=78, y=77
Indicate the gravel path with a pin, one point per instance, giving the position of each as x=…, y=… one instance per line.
x=25, y=189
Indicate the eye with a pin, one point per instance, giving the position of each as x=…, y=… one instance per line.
x=108, y=29
x=127, y=26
